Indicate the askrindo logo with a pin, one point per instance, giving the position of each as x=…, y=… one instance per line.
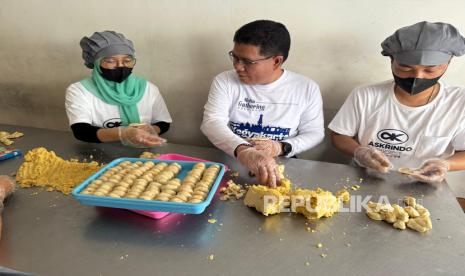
x=392, y=136
x=112, y=123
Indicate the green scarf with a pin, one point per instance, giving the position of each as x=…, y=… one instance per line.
x=125, y=95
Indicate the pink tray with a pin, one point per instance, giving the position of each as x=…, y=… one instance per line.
x=169, y=156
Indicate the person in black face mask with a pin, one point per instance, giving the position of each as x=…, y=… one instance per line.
x=117, y=68
x=415, y=120
x=113, y=104
x=416, y=85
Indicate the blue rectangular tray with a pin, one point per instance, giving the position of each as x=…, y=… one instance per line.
x=149, y=205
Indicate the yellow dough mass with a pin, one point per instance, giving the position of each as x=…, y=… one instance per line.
x=313, y=204
x=45, y=169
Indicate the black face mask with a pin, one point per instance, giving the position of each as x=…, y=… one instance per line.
x=119, y=74
x=414, y=86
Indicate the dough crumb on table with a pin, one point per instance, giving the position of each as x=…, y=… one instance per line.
x=233, y=173
x=355, y=187
x=6, y=137
x=232, y=191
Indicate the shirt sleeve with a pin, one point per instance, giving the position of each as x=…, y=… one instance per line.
x=160, y=112
x=311, y=126
x=458, y=142
x=164, y=127
x=85, y=132
x=77, y=104
x=347, y=119
x=216, y=117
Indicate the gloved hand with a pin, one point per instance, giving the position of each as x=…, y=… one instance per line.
x=270, y=147
x=434, y=170
x=145, y=127
x=372, y=158
x=140, y=136
x=7, y=187
x=262, y=165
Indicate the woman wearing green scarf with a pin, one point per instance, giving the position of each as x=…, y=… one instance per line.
x=113, y=104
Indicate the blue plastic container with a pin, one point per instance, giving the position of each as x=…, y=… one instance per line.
x=149, y=205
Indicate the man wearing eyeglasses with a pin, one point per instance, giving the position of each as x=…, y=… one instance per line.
x=259, y=110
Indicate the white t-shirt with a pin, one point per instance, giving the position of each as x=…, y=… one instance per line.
x=289, y=109
x=84, y=107
x=407, y=135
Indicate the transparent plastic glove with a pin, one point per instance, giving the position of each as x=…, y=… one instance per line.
x=7, y=187
x=434, y=170
x=139, y=136
x=270, y=147
x=263, y=166
x=372, y=158
x=149, y=129
x=145, y=127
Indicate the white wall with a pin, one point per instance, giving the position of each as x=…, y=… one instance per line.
x=182, y=45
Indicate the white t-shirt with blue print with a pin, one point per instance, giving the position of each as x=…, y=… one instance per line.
x=289, y=109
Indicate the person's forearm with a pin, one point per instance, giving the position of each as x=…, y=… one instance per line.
x=239, y=149
x=457, y=161
x=85, y=132
x=156, y=128
x=305, y=141
x=221, y=136
x=344, y=143
x=108, y=134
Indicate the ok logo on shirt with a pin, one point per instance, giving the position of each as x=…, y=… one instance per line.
x=393, y=136
x=112, y=123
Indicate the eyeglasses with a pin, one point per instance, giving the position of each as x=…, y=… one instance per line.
x=112, y=63
x=244, y=61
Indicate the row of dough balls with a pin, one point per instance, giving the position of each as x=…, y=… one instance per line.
x=127, y=174
x=149, y=155
x=154, y=182
x=197, y=184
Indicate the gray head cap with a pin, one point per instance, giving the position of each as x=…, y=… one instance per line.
x=424, y=43
x=104, y=44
